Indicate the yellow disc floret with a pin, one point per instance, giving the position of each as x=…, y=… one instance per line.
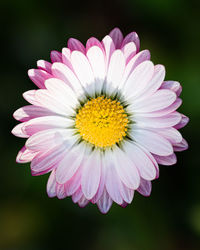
x=102, y=122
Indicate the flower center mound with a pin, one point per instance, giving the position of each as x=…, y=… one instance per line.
x=102, y=122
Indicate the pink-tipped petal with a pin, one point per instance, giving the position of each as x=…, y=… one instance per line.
x=25, y=155
x=19, y=132
x=183, y=145
x=51, y=185
x=93, y=42
x=31, y=111
x=74, y=44
x=44, y=65
x=117, y=37
x=56, y=56
x=132, y=37
x=145, y=187
x=166, y=160
x=129, y=51
x=60, y=191
x=105, y=202
x=109, y=48
x=172, y=85
x=29, y=96
x=66, y=57
x=183, y=122
x=39, y=76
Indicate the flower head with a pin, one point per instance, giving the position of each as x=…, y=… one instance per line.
x=101, y=121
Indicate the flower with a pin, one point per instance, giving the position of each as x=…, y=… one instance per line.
x=101, y=121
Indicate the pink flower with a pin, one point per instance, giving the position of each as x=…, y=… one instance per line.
x=101, y=121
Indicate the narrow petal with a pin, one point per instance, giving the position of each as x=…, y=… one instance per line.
x=171, y=134
x=46, y=161
x=97, y=61
x=77, y=195
x=142, y=56
x=51, y=185
x=141, y=160
x=93, y=42
x=49, y=138
x=112, y=180
x=183, y=145
x=138, y=79
x=166, y=160
x=172, y=85
x=54, y=103
x=109, y=48
x=60, y=191
x=117, y=37
x=166, y=121
x=25, y=155
x=74, y=44
x=183, y=122
x=19, y=132
x=115, y=70
x=132, y=37
x=91, y=175
x=105, y=202
x=74, y=183
x=83, y=201
x=126, y=169
x=152, y=141
x=70, y=163
x=62, y=91
x=46, y=122
x=159, y=100
x=66, y=57
x=83, y=70
x=38, y=76
x=155, y=82
x=64, y=73
x=31, y=111
x=56, y=56
x=129, y=51
x=145, y=187
x=29, y=96
x=44, y=65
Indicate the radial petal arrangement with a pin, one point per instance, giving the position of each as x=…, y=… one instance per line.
x=100, y=120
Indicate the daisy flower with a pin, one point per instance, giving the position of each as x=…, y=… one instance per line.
x=101, y=121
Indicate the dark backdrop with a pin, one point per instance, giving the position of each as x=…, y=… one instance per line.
x=170, y=218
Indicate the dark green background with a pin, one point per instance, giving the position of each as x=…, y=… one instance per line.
x=170, y=218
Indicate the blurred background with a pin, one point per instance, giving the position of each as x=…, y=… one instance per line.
x=170, y=218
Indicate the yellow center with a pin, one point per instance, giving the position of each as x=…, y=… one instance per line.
x=102, y=122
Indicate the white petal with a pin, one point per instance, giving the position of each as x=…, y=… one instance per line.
x=64, y=73
x=133, y=63
x=109, y=48
x=152, y=141
x=112, y=181
x=91, y=175
x=141, y=160
x=159, y=100
x=166, y=121
x=138, y=79
x=115, y=70
x=97, y=61
x=70, y=163
x=50, y=138
x=166, y=160
x=53, y=103
x=126, y=169
x=62, y=92
x=83, y=71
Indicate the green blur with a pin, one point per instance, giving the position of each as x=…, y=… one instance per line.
x=170, y=218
